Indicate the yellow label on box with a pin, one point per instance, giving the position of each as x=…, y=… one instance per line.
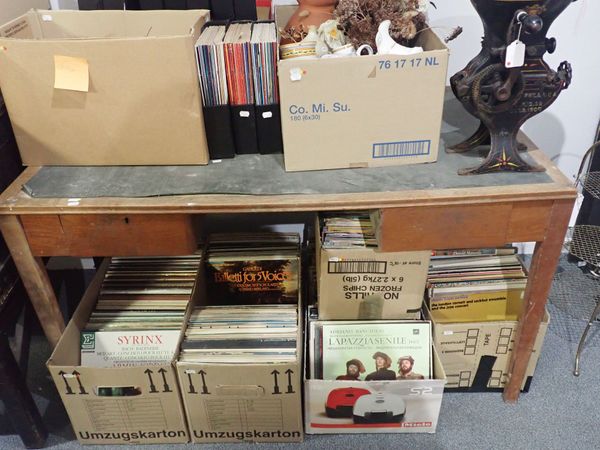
x=71, y=73
x=477, y=306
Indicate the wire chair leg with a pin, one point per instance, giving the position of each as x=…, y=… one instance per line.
x=583, y=336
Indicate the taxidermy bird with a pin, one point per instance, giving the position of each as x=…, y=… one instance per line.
x=388, y=46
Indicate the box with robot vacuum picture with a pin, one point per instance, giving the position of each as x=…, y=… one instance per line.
x=353, y=386
x=113, y=365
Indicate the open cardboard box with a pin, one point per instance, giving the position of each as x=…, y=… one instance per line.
x=476, y=355
x=368, y=111
x=364, y=283
x=154, y=416
x=477, y=304
x=104, y=87
x=244, y=402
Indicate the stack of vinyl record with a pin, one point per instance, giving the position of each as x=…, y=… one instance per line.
x=476, y=285
x=140, y=311
x=211, y=66
x=257, y=268
x=241, y=334
x=347, y=230
x=264, y=63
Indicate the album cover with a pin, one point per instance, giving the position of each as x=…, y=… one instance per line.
x=259, y=268
x=128, y=348
x=375, y=350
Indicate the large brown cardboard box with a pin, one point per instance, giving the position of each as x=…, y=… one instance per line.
x=155, y=416
x=104, y=87
x=476, y=355
x=364, y=283
x=244, y=402
x=422, y=400
x=367, y=111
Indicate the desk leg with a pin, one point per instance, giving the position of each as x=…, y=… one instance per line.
x=541, y=273
x=35, y=278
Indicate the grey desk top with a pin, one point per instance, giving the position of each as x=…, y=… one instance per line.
x=265, y=174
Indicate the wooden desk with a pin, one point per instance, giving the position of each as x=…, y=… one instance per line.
x=480, y=216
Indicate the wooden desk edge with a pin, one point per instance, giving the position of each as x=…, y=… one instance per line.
x=16, y=202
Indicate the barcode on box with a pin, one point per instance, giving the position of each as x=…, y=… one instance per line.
x=401, y=149
x=357, y=266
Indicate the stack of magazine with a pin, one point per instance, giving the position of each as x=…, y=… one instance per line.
x=253, y=268
x=370, y=350
x=347, y=230
x=241, y=334
x=490, y=279
x=140, y=311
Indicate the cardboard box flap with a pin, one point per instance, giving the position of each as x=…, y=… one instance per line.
x=68, y=350
x=20, y=28
x=430, y=41
x=282, y=16
x=438, y=367
x=109, y=24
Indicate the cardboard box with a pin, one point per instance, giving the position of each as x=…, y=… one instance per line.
x=104, y=87
x=331, y=407
x=244, y=402
x=153, y=416
x=476, y=355
x=367, y=111
x=365, y=283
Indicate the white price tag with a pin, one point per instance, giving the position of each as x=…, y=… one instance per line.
x=296, y=74
x=515, y=55
x=244, y=113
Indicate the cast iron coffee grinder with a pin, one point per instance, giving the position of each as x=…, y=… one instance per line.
x=509, y=82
